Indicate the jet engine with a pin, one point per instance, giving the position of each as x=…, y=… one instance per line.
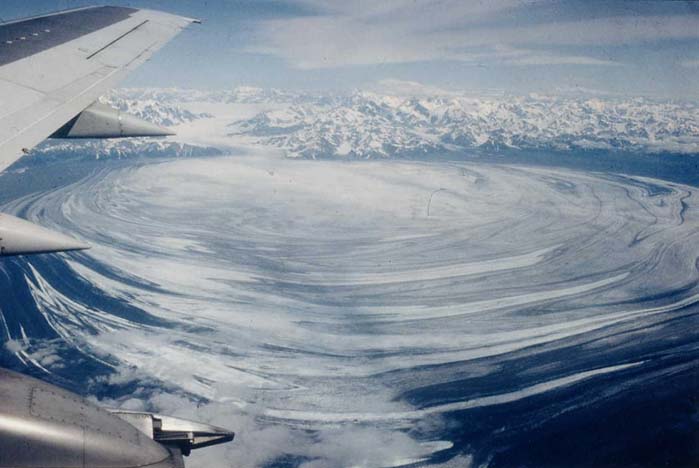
x=44, y=426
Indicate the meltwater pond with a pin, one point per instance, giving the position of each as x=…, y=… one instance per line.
x=374, y=313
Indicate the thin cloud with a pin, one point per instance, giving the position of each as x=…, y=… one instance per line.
x=399, y=31
x=533, y=58
x=409, y=88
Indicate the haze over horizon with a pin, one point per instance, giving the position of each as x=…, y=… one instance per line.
x=630, y=48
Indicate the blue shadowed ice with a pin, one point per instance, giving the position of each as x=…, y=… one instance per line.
x=320, y=310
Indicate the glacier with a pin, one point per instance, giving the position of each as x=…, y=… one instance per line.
x=463, y=311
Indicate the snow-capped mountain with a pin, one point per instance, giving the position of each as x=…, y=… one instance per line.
x=238, y=95
x=160, y=110
x=370, y=125
x=113, y=149
x=382, y=125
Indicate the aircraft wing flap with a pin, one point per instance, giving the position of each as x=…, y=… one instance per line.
x=145, y=30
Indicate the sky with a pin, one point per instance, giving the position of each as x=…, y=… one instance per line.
x=517, y=46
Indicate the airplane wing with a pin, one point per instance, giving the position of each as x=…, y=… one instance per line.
x=54, y=67
x=52, y=70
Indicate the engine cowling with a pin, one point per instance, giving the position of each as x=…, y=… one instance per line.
x=44, y=426
x=20, y=237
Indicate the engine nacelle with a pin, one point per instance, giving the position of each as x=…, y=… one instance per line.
x=20, y=237
x=42, y=425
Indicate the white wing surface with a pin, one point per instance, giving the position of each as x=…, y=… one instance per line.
x=53, y=67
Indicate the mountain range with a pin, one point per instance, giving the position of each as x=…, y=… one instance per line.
x=385, y=125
